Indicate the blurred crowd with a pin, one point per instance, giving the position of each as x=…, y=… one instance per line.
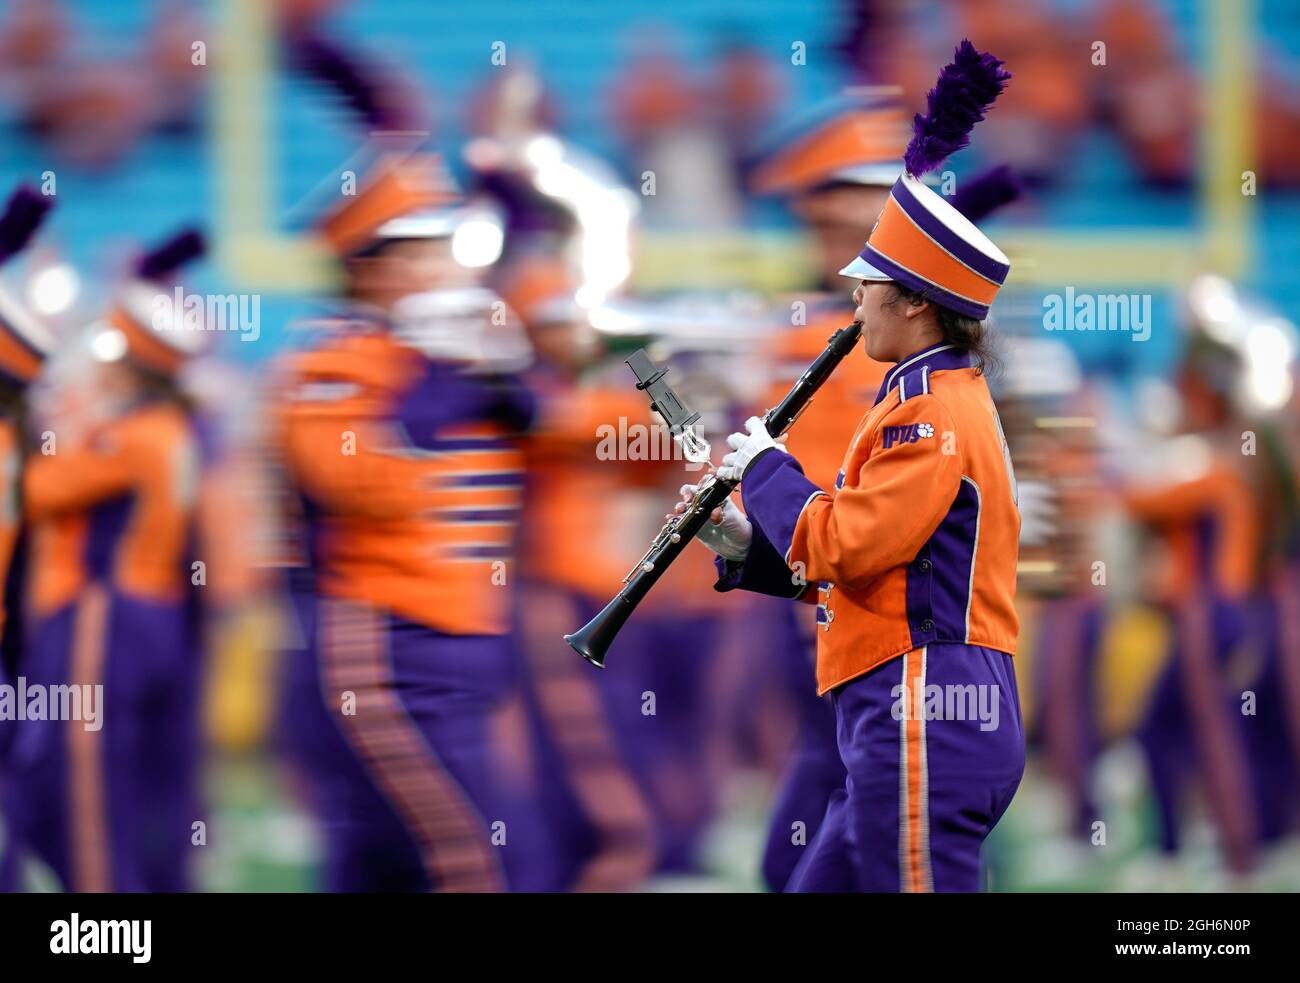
x=359, y=559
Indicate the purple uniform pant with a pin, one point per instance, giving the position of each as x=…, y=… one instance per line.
x=1193, y=727
x=599, y=830
x=654, y=691
x=390, y=723
x=813, y=771
x=934, y=749
x=112, y=809
x=1270, y=732
x=1069, y=647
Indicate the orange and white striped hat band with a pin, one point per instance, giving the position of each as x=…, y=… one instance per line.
x=398, y=187
x=25, y=344
x=20, y=362
x=144, y=344
x=840, y=141
x=153, y=334
x=924, y=243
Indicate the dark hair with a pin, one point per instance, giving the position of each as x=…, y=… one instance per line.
x=13, y=406
x=964, y=332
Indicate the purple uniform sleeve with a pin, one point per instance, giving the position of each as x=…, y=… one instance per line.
x=774, y=492
x=762, y=571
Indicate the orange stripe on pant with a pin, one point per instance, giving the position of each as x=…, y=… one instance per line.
x=87, y=800
x=449, y=833
x=915, y=874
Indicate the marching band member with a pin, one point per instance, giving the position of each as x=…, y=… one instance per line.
x=1202, y=513
x=24, y=346
x=601, y=832
x=627, y=783
x=111, y=506
x=588, y=219
x=403, y=455
x=837, y=164
x=912, y=558
x=1049, y=419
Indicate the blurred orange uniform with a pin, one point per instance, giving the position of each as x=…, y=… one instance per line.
x=1219, y=502
x=406, y=521
x=589, y=516
x=570, y=488
x=148, y=454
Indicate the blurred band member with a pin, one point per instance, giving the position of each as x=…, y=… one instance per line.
x=601, y=828
x=403, y=454
x=1051, y=424
x=912, y=558
x=1285, y=570
x=1202, y=512
x=836, y=165
x=111, y=500
x=24, y=345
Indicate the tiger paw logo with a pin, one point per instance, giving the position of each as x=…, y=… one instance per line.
x=908, y=433
x=824, y=613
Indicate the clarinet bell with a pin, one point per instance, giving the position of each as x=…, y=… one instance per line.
x=592, y=640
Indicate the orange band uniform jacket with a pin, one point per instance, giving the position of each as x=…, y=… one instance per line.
x=918, y=542
x=410, y=477
x=119, y=509
x=569, y=541
x=1209, y=527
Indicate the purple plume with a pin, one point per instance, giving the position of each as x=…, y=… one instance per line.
x=986, y=193
x=359, y=85
x=23, y=215
x=171, y=255
x=966, y=88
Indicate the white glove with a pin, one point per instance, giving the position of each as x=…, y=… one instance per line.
x=728, y=533
x=746, y=447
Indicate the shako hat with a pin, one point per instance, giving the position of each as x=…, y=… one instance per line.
x=921, y=240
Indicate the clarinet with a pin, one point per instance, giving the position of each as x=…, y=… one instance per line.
x=592, y=641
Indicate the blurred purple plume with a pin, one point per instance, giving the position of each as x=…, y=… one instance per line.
x=171, y=255
x=966, y=88
x=23, y=215
x=986, y=193
x=358, y=84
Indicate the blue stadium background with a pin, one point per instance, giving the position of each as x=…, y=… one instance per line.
x=578, y=47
